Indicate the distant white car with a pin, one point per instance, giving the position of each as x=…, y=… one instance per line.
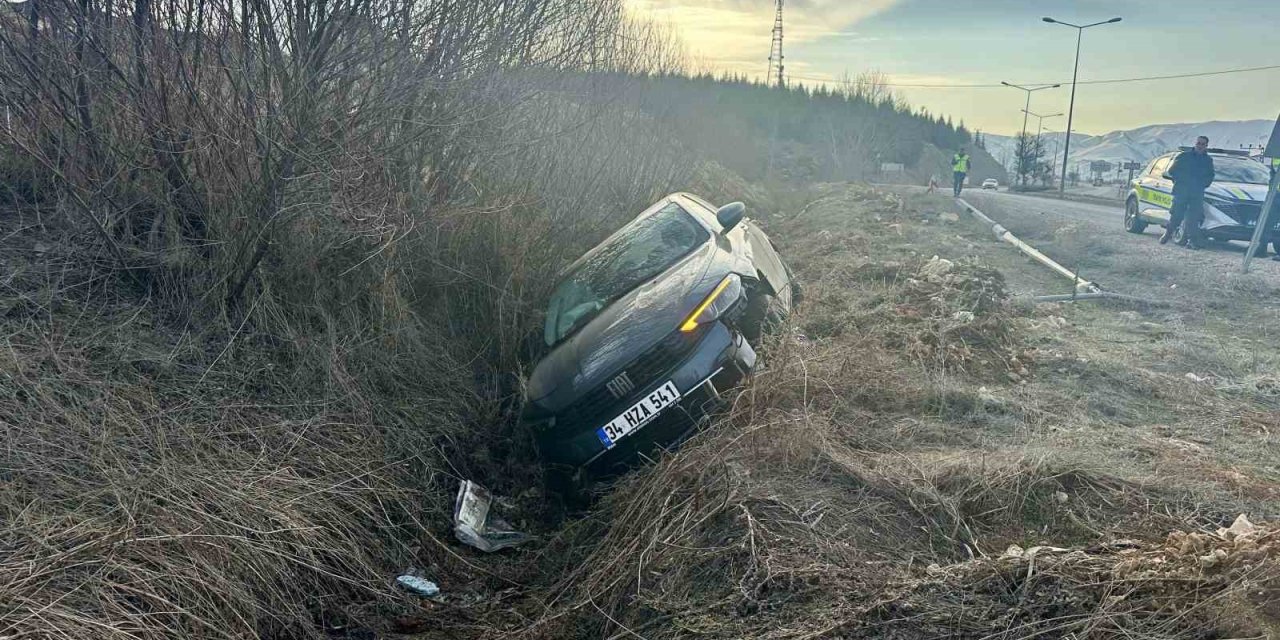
x=991, y=183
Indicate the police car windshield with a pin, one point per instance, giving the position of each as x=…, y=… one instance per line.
x=1235, y=169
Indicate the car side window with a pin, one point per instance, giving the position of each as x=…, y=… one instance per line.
x=1159, y=167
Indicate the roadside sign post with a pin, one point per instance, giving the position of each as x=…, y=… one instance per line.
x=1132, y=166
x=1268, y=207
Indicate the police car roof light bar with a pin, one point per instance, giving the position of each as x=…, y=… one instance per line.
x=1221, y=152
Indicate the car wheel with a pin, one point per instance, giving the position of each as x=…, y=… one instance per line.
x=797, y=290
x=573, y=485
x=758, y=317
x=1178, y=237
x=797, y=293
x=1133, y=223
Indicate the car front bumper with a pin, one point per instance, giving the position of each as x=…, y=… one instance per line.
x=1238, y=232
x=719, y=361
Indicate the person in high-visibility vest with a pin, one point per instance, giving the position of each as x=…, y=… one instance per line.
x=959, y=169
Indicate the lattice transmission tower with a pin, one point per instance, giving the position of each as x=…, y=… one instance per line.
x=775, y=49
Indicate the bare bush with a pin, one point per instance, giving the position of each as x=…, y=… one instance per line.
x=331, y=220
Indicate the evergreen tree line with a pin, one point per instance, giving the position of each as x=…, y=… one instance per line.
x=843, y=130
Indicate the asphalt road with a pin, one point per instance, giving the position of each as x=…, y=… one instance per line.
x=1016, y=204
x=1090, y=239
x=1035, y=215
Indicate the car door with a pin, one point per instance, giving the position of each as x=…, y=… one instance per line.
x=1155, y=192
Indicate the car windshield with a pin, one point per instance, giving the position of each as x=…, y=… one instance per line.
x=1233, y=169
x=642, y=250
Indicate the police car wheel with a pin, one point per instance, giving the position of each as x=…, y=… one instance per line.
x=1178, y=237
x=1132, y=222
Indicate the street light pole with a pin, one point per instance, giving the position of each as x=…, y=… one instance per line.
x=1053, y=168
x=1040, y=129
x=1026, y=109
x=1040, y=145
x=1052, y=115
x=1066, y=147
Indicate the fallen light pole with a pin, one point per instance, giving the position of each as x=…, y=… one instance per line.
x=1081, y=285
x=1100, y=295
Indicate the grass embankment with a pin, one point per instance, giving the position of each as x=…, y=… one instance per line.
x=163, y=482
x=922, y=456
x=934, y=459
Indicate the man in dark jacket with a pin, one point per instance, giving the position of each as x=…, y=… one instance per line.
x=1192, y=173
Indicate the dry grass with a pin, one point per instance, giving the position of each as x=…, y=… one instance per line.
x=868, y=483
x=194, y=484
x=863, y=487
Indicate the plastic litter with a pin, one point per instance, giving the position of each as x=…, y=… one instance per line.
x=476, y=524
x=418, y=586
x=1241, y=528
x=936, y=269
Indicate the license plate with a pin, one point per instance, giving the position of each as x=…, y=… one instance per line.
x=638, y=415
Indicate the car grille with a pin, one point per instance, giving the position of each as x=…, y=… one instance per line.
x=1241, y=212
x=598, y=403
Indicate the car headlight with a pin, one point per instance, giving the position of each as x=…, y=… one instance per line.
x=713, y=306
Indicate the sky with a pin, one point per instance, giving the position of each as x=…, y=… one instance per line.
x=958, y=42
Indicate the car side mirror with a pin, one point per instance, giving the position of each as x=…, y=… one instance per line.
x=730, y=214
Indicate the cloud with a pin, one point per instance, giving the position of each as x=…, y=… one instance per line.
x=735, y=34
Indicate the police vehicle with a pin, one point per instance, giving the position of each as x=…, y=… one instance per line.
x=1231, y=204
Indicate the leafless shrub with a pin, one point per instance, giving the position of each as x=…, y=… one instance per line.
x=314, y=208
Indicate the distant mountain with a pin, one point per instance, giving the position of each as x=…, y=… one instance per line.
x=1143, y=143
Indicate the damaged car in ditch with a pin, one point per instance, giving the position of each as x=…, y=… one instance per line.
x=645, y=332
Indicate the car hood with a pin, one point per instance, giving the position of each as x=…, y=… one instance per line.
x=1237, y=191
x=623, y=331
